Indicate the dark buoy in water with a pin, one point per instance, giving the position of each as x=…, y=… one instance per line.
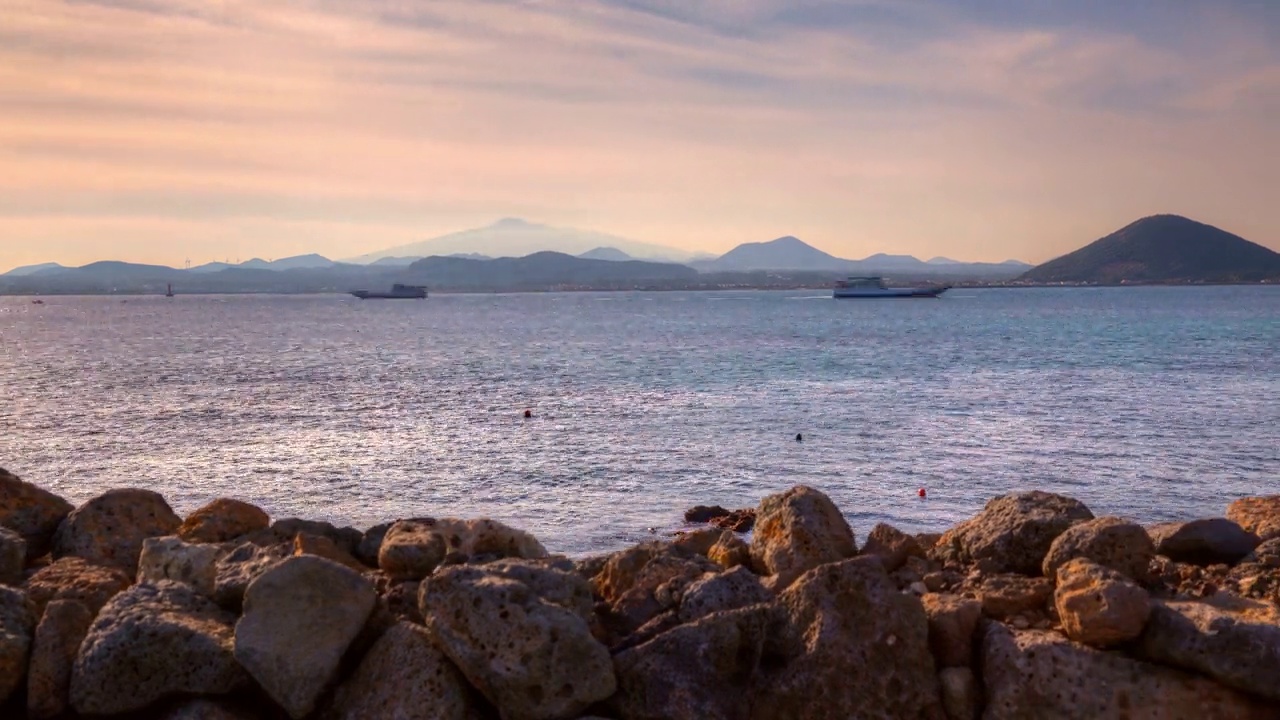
x=528, y=414
x=921, y=493
x=799, y=437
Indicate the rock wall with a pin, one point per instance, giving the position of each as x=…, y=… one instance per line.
x=1033, y=608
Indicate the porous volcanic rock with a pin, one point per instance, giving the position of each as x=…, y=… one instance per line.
x=1008, y=594
x=321, y=546
x=729, y=552
x=1110, y=542
x=300, y=616
x=286, y=529
x=1013, y=532
x=32, y=512
x=110, y=528
x=172, y=558
x=371, y=543
x=53, y=654
x=1257, y=515
x=520, y=633
x=706, y=670
x=151, y=642
x=704, y=513
x=1203, y=542
x=237, y=569
x=411, y=550
x=953, y=620
x=208, y=709
x=891, y=545
x=13, y=557
x=728, y=590
x=1231, y=639
x=644, y=581
x=1099, y=606
x=961, y=693
x=850, y=641
x=797, y=531
x=405, y=677
x=73, y=578
x=1040, y=674
x=223, y=520
x=16, y=625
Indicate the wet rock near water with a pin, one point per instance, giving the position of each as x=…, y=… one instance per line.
x=1032, y=608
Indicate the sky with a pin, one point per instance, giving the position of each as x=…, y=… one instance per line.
x=163, y=131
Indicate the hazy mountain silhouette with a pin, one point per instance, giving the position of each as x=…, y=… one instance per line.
x=27, y=270
x=542, y=270
x=513, y=237
x=784, y=253
x=605, y=253
x=1163, y=248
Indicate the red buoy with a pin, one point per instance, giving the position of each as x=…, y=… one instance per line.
x=921, y=492
x=528, y=413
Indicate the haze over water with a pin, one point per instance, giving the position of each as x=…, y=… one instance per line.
x=1151, y=403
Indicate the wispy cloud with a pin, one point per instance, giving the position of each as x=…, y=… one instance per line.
x=980, y=129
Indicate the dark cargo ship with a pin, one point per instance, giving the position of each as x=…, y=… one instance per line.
x=398, y=292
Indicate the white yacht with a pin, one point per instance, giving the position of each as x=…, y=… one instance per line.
x=874, y=287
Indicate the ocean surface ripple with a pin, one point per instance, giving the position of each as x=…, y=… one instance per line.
x=1149, y=403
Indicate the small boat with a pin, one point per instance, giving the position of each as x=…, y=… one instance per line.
x=398, y=292
x=874, y=287
x=169, y=292
x=37, y=302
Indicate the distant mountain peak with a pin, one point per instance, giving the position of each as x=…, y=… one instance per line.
x=605, y=253
x=513, y=222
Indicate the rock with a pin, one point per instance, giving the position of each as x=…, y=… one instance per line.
x=73, y=578
x=411, y=550
x=404, y=676
x=237, y=569
x=1230, y=639
x=30, y=511
x=16, y=625
x=53, y=653
x=728, y=590
x=1257, y=515
x=13, y=557
x=285, y=530
x=797, y=531
x=1266, y=555
x=1040, y=674
x=739, y=521
x=110, y=528
x=300, y=616
x=223, y=520
x=400, y=597
x=953, y=621
x=1099, y=606
x=371, y=544
x=589, y=568
x=206, y=709
x=891, y=545
x=171, y=558
x=960, y=693
x=850, y=642
x=700, y=541
x=927, y=540
x=1006, y=595
x=1108, y=541
x=643, y=582
x=730, y=552
x=704, y=513
x=321, y=546
x=1203, y=542
x=525, y=644
x=701, y=671
x=1013, y=532
x=151, y=642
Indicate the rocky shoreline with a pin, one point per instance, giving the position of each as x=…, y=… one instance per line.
x=1034, y=608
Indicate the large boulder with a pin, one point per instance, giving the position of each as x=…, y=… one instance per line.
x=1266, y=555
x=210, y=709
x=16, y=625
x=1203, y=542
x=728, y=590
x=642, y=582
x=850, y=642
x=796, y=531
x=234, y=571
x=404, y=676
x=300, y=616
x=891, y=545
x=961, y=693
x=1257, y=515
x=520, y=633
x=13, y=557
x=371, y=544
x=730, y=551
x=73, y=578
x=53, y=654
x=706, y=670
x=171, y=558
x=953, y=620
x=110, y=528
x=285, y=530
x=1233, y=640
x=1040, y=674
x=223, y=520
x=321, y=546
x=151, y=642
x=1099, y=606
x=1013, y=532
x=32, y=512
x=1006, y=595
x=411, y=550
x=1111, y=542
